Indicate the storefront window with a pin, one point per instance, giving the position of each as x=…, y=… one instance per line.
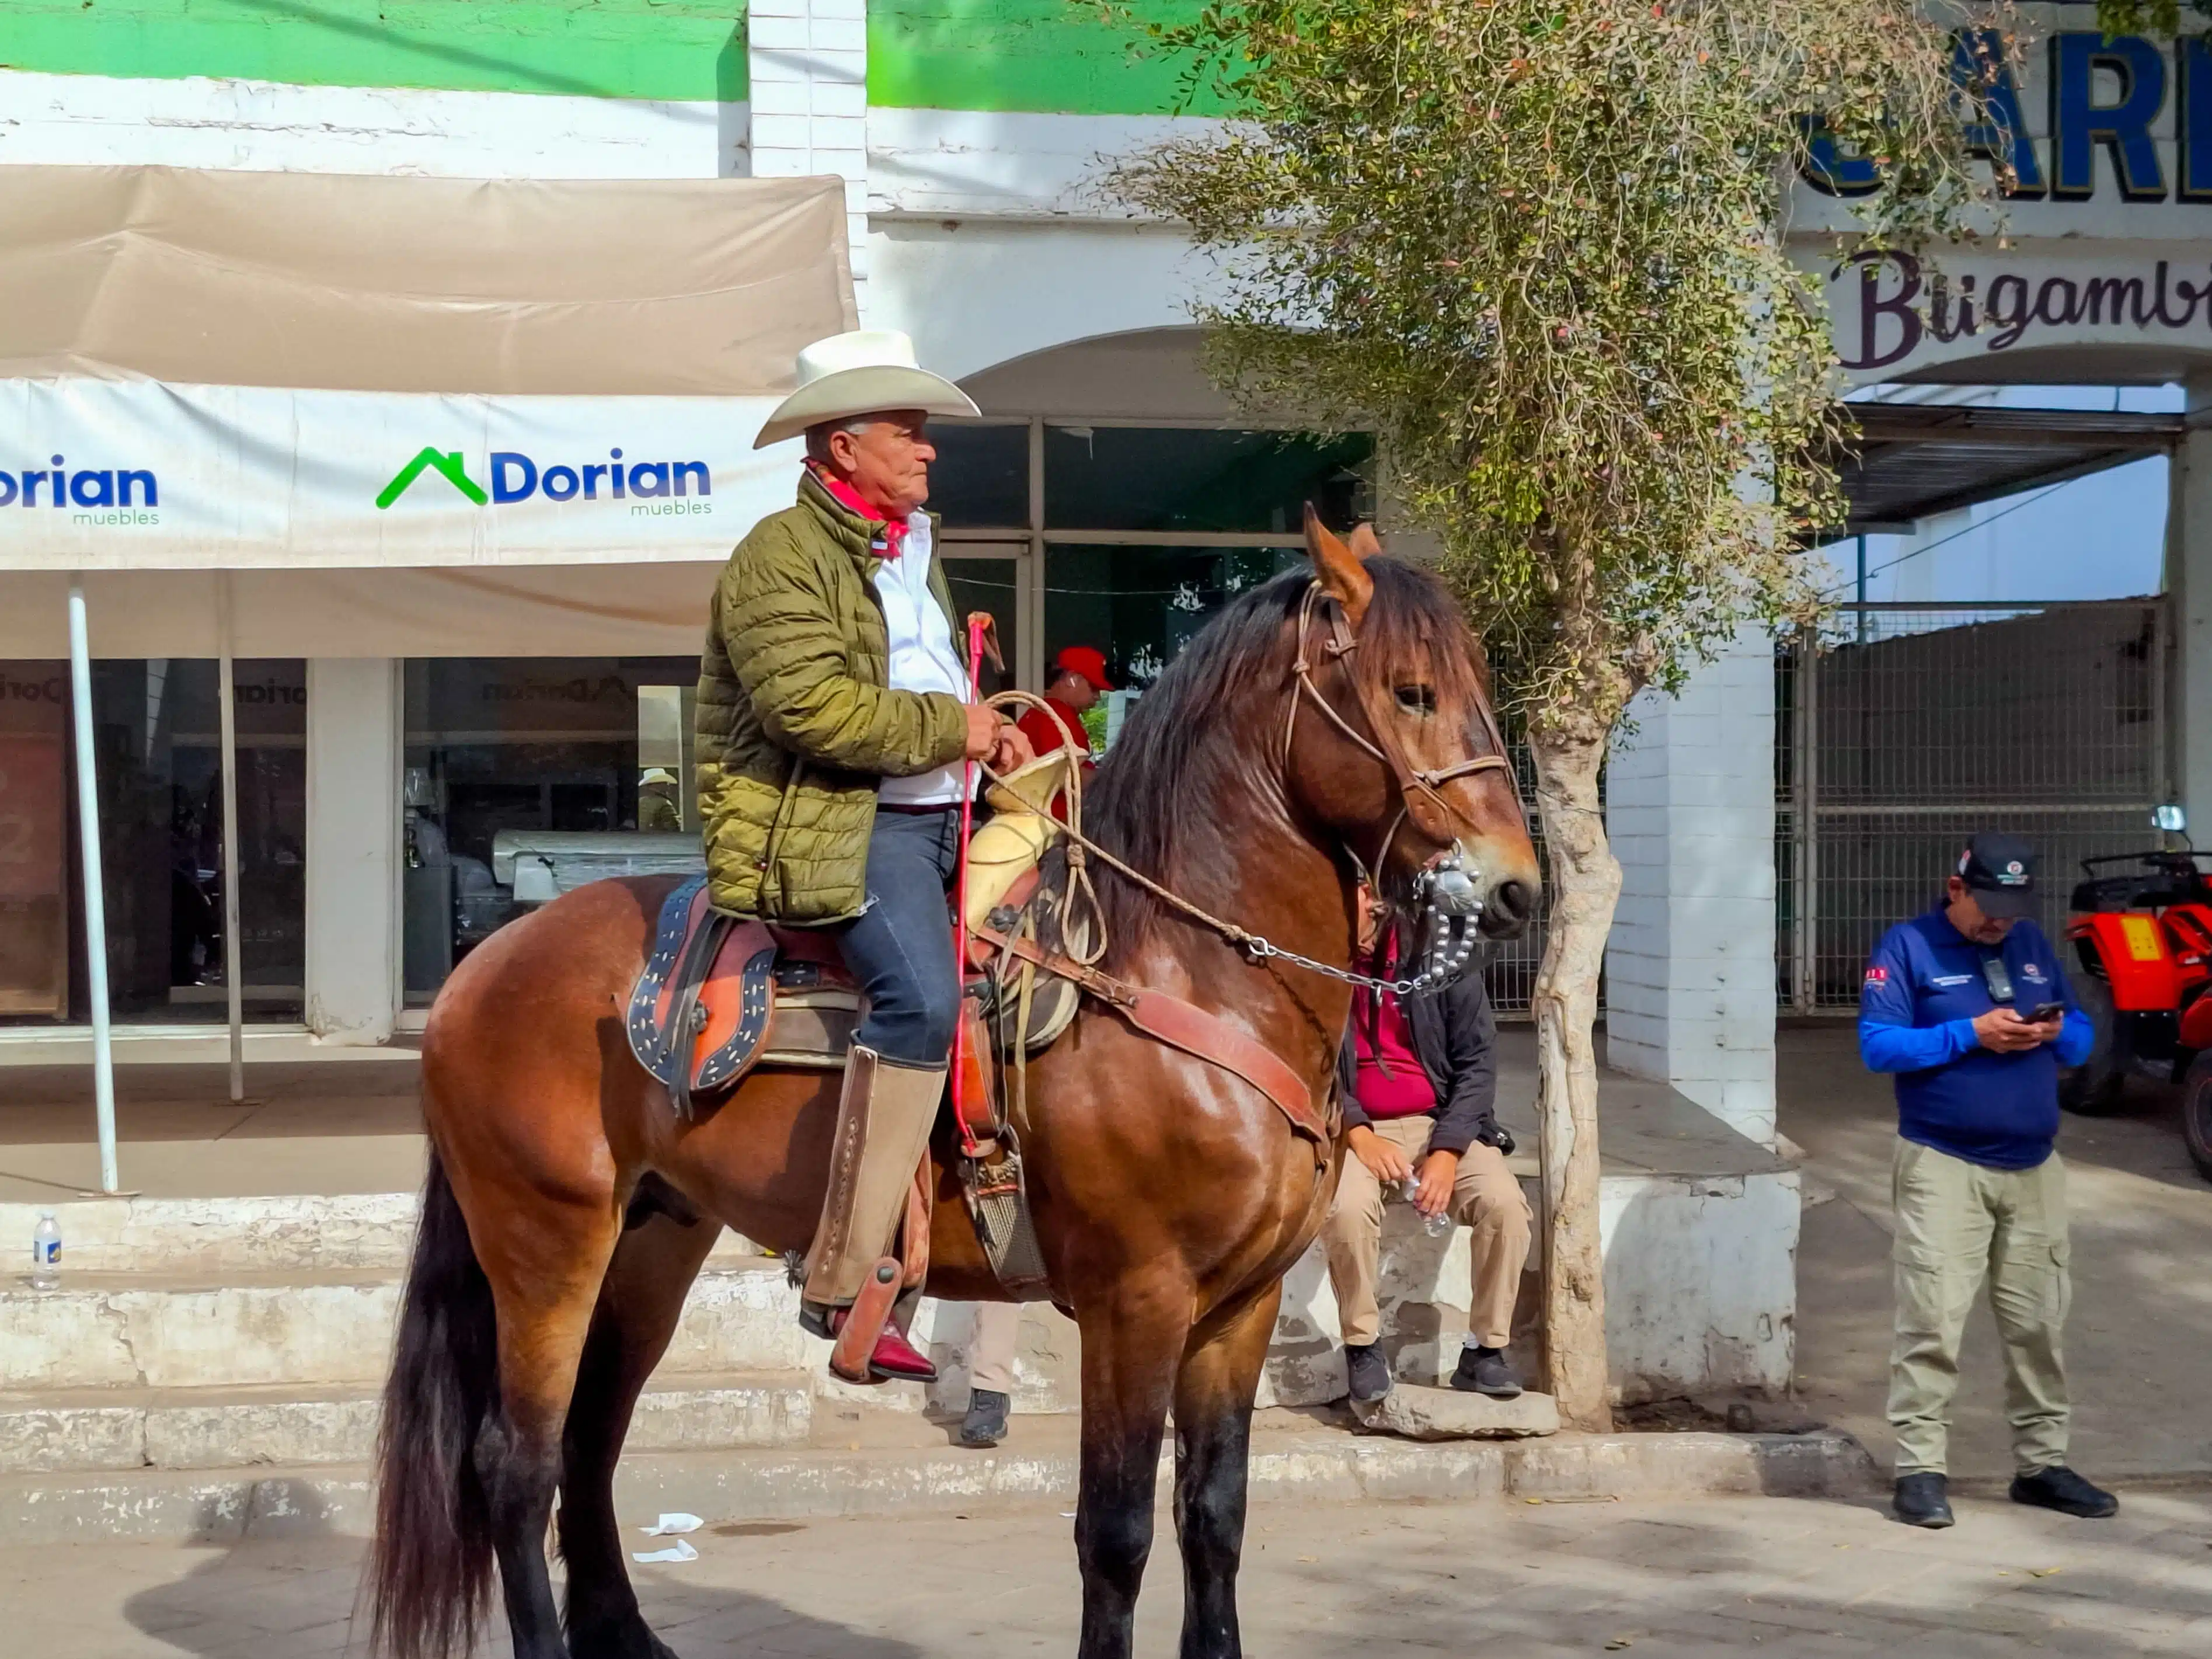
x=981, y=476
x=528, y=776
x=1140, y=605
x=157, y=736
x=1176, y=479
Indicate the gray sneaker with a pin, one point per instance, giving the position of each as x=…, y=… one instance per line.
x=1366, y=1369
x=1487, y=1371
x=986, y=1422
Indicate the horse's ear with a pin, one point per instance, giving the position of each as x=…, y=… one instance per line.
x=1362, y=542
x=1337, y=566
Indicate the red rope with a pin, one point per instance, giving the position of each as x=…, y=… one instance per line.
x=977, y=622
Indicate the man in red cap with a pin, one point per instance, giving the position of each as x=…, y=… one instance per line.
x=1078, y=682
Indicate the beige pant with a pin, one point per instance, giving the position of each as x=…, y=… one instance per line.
x=991, y=1349
x=1485, y=1197
x=1957, y=1223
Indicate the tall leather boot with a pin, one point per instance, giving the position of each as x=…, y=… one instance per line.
x=884, y=1120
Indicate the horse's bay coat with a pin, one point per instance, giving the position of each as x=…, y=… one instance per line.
x=796, y=718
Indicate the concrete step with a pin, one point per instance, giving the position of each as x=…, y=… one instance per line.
x=91, y=1430
x=312, y=1233
x=1295, y=1460
x=255, y=1330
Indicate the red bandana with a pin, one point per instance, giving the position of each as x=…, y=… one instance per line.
x=891, y=538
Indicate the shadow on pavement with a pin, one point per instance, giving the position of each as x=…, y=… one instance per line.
x=298, y=1596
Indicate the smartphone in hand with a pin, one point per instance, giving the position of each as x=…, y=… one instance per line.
x=2044, y=1012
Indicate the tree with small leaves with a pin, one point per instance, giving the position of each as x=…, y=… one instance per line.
x=1537, y=250
x=2148, y=16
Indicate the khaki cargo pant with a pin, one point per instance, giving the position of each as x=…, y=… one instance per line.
x=1486, y=1198
x=1958, y=1222
x=991, y=1349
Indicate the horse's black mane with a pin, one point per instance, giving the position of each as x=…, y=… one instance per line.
x=1162, y=794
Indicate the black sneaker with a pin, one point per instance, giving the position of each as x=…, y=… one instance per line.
x=1367, y=1371
x=1922, y=1500
x=1487, y=1371
x=986, y=1422
x=2059, y=1488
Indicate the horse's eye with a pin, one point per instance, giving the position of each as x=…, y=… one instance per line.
x=1417, y=699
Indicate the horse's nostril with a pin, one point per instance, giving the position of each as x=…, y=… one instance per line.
x=1513, y=901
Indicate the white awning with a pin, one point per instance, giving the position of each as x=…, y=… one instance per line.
x=206, y=370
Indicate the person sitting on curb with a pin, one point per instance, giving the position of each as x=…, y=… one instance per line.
x=1419, y=1080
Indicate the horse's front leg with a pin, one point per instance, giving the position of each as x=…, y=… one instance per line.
x=1132, y=1344
x=1214, y=1434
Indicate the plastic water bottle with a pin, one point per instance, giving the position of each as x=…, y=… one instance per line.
x=1435, y=1226
x=46, y=1253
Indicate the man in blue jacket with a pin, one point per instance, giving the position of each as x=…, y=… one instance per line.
x=1968, y=1006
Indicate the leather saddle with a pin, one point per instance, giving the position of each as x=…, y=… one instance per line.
x=721, y=994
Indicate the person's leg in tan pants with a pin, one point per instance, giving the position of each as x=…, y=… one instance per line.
x=1352, y=1235
x=1487, y=1200
x=991, y=1372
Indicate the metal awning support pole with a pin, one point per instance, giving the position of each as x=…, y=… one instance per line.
x=95, y=891
x=233, y=946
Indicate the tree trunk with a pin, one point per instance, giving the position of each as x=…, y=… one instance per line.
x=1569, y=748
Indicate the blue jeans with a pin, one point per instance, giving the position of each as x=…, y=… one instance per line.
x=900, y=947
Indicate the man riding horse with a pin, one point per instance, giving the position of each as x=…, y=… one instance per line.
x=835, y=732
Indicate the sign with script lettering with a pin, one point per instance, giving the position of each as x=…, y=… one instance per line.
x=2104, y=249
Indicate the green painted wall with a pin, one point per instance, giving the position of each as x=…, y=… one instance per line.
x=675, y=49
x=1051, y=57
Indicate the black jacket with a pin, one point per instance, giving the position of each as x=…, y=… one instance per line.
x=1456, y=1034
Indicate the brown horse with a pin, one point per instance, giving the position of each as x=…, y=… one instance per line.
x=568, y=1208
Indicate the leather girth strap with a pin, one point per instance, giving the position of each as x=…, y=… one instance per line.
x=1188, y=1027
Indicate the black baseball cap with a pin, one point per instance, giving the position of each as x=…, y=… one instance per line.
x=2000, y=870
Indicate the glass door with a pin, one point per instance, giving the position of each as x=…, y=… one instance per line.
x=999, y=577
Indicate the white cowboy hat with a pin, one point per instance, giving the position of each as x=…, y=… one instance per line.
x=867, y=372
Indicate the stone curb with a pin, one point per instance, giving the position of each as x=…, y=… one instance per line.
x=771, y=1484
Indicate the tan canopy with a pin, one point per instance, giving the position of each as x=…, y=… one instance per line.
x=702, y=287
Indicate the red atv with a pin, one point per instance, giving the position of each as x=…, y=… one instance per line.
x=2144, y=940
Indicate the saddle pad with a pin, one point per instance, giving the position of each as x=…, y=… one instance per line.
x=701, y=1011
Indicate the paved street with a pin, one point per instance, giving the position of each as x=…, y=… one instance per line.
x=1774, y=1575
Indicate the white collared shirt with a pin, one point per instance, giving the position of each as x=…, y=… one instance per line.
x=923, y=656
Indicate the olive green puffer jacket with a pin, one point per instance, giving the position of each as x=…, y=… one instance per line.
x=796, y=721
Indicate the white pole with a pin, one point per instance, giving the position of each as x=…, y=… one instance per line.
x=233, y=946
x=95, y=892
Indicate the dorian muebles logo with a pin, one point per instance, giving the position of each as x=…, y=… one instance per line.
x=650, y=488
x=97, y=496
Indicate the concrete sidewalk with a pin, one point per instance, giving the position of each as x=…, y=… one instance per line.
x=326, y=1127
x=1653, y=1580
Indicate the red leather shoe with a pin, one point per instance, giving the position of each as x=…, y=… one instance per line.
x=894, y=1358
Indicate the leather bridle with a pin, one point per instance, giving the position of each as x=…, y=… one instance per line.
x=1409, y=780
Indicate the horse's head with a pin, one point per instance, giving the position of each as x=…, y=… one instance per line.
x=1392, y=742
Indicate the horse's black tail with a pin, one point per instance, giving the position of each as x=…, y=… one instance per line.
x=430, y=1574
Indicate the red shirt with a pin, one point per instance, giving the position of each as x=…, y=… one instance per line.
x=1044, y=733
x=1405, y=1090
x=1045, y=736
